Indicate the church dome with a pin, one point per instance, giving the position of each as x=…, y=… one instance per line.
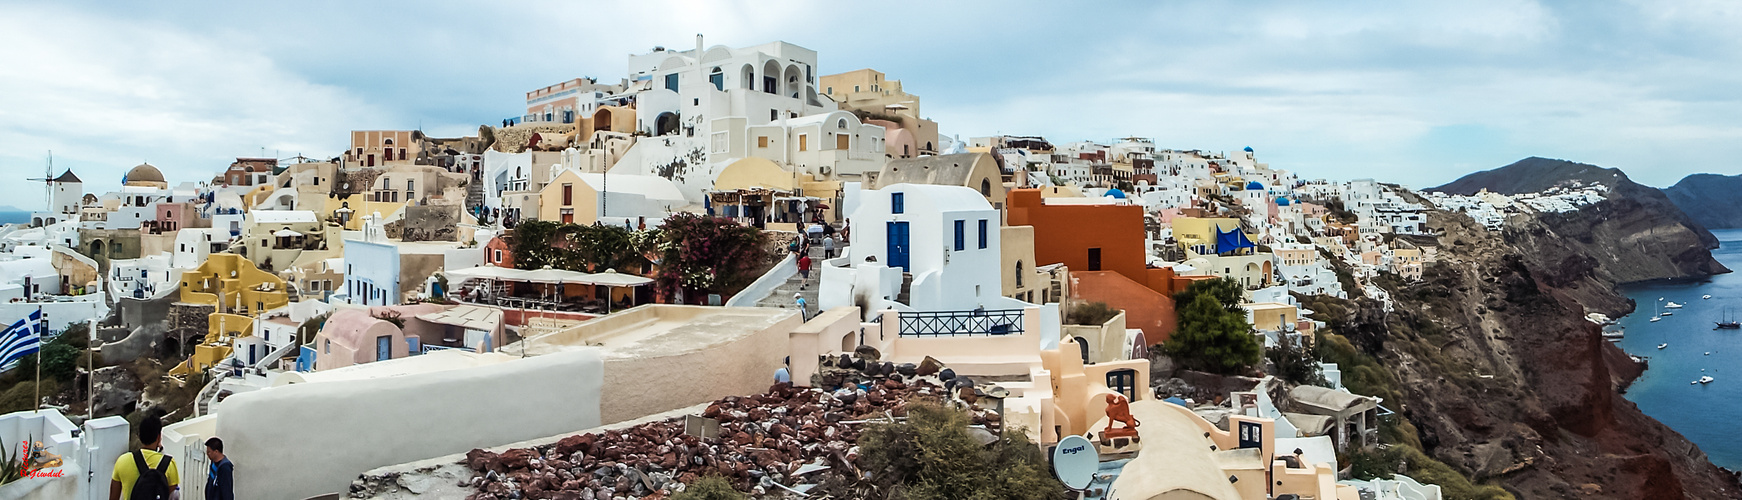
x=1283, y=202
x=1254, y=186
x=143, y=173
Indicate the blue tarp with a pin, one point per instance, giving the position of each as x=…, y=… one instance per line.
x=1231, y=241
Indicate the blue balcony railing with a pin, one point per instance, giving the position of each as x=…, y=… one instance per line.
x=961, y=323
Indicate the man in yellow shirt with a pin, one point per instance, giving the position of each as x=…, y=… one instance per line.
x=127, y=473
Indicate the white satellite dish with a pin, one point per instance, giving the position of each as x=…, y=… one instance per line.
x=1075, y=462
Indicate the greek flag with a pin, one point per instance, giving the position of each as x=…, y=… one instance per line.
x=21, y=339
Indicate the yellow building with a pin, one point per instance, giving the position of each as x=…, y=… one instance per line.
x=868, y=93
x=233, y=285
x=1199, y=234
x=221, y=332
x=1407, y=263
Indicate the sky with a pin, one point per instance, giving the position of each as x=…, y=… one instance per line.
x=1418, y=94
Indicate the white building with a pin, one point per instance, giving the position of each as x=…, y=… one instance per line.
x=371, y=268
x=698, y=107
x=919, y=247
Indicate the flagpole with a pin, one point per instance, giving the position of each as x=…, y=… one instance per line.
x=37, y=405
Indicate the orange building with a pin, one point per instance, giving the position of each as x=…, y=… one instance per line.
x=1091, y=237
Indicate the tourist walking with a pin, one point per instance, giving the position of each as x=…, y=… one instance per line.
x=146, y=473
x=220, y=481
x=804, y=270
x=803, y=313
x=829, y=247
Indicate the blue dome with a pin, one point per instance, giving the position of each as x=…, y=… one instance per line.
x=1283, y=202
x=1249, y=149
x=1115, y=193
x=1254, y=186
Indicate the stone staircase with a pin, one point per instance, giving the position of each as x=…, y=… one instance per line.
x=782, y=295
x=905, y=296
x=474, y=194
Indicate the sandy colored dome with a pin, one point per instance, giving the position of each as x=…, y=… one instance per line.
x=144, y=173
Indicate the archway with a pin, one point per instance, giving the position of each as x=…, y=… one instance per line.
x=794, y=83
x=748, y=74
x=602, y=120
x=97, y=249
x=771, y=77
x=665, y=124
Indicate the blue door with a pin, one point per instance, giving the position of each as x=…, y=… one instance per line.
x=383, y=348
x=898, y=245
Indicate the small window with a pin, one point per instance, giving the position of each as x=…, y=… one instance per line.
x=671, y=82
x=568, y=194
x=762, y=141
x=986, y=187
x=831, y=91
x=773, y=114
x=897, y=203
x=961, y=235
x=982, y=234
x=803, y=142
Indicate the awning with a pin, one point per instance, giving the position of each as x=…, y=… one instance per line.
x=485, y=273
x=549, y=275
x=613, y=278
x=286, y=233
x=472, y=317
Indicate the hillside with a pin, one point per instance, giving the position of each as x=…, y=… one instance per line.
x=1624, y=237
x=1496, y=373
x=1713, y=200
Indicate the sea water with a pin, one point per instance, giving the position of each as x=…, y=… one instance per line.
x=1710, y=415
x=12, y=217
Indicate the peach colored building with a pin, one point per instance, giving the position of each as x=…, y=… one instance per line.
x=866, y=92
x=371, y=148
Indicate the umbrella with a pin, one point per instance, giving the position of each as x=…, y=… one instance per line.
x=612, y=278
x=286, y=233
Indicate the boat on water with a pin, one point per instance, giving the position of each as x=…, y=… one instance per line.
x=1706, y=297
x=1703, y=380
x=1655, y=318
x=1673, y=305
x=1729, y=323
x=1614, y=334
x=1660, y=346
x=1667, y=313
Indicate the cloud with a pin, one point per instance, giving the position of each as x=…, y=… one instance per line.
x=105, y=94
x=1415, y=93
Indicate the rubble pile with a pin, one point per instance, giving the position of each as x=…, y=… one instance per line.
x=765, y=443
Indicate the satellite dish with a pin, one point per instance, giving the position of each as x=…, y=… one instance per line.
x=1075, y=461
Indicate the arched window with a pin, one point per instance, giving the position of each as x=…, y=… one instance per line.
x=388, y=142
x=842, y=124
x=717, y=78
x=986, y=187
x=1019, y=274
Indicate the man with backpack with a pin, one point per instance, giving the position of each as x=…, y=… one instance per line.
x=146, y=473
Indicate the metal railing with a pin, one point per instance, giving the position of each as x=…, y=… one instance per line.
x=961, y=323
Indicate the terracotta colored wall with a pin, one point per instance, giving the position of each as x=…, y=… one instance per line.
x=1145, y=309
x=1065, y=233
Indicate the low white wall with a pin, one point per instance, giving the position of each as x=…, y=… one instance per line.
x=303, y=440
x=766, y=284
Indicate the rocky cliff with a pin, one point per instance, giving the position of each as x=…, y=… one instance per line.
x=1635, y=234
x=1713, y=200
x=1496, y=373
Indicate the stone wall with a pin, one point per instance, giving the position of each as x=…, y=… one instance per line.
x=430, y=223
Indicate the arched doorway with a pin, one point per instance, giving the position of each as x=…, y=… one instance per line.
x=97, y=249
x=665, y=124
x=602, y=120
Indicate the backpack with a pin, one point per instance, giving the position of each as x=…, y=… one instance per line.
x=153, y=484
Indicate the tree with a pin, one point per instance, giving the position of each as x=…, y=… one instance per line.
x=933, y=456
x=1211, y=338
x=709, y=254
x=1296, y=362
x=1226, y=291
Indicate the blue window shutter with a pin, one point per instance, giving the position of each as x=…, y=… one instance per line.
x=982, y=234
x=897, y=203
x=961, y=235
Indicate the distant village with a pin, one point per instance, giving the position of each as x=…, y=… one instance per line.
x=594, y=296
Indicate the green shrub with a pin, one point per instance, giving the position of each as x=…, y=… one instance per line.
x=1211, y=337
x=710, y=488
x=933, y=456
x=1090, y=313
